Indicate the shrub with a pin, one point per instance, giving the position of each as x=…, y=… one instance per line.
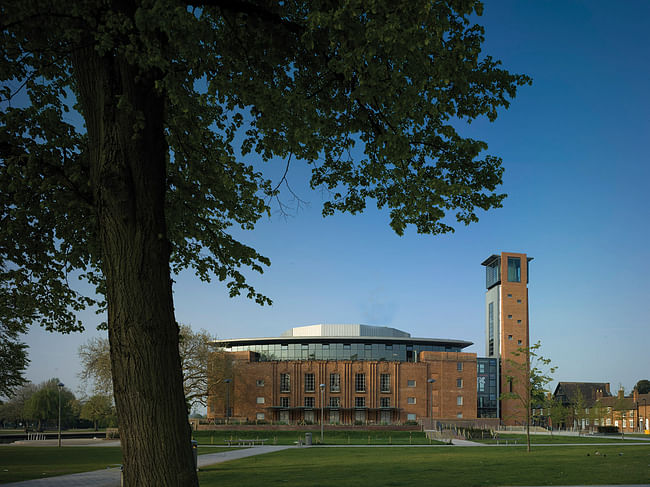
x=608, y=429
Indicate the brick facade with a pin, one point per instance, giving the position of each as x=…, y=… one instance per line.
x=256, y=392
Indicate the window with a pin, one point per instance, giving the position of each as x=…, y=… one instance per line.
x=459, y=383
x=335, y=402
x=260, y=416
x=360, y=382
x=481, y=368
x=335, y=382
x=459, y=401
x=410, y=400
x=284, y=402
x=481, y=384
x=492, y=273
x=309, y=402
x=260, y=382
x=359, y=402
x=410, y=383
x=491, y=327
x=260, y=400
x=509, y=317
x=519, y=301
x=285, y=382
x=384, y=402
x=459, y=366
x=509, y=295
x=518, y=321
x=514, y=269
x=509, y=337
x=518, y=342
x=384, y=382
x=459, y=415
x=309, y=382
x=410, y=417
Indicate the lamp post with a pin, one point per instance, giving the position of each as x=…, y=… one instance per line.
x=431, y=381
x=60, y=386
x=322, y=405
x=227, y=381
x=645, y=415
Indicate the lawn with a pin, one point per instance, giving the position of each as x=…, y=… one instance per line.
x=448, y=466
x=555, y=439
x=34, y=462
x=337, y=437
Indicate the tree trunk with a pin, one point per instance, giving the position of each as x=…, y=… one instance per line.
x=127, y=170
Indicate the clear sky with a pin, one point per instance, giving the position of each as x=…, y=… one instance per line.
x=575, y=149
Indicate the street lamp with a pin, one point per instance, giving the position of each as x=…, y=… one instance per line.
x=60, y=386
x=645, y=414
x=227, y=381
x=431, y=381
x=322, y=404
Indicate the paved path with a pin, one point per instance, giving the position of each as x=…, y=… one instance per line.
x=110, y=477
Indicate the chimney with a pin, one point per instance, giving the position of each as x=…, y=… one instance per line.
x=621, y=393
x=636, y=395
x=599, y=394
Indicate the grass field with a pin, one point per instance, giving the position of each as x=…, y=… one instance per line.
x=556, y=439
x=340, y=437
x=33, y=462
x=478, y=466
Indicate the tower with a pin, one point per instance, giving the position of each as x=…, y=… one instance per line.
x=506, y=325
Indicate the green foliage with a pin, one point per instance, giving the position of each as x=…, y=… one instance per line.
x=98, y=409
x=369, y=95
x=530, y=369
x=43, y=405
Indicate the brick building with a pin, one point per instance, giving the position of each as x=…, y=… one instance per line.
x=352, y=373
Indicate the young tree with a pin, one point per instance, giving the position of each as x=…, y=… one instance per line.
x=531, y=373
x=172, y=95
x=97, y=408
x=557, y=412
x=579, y=409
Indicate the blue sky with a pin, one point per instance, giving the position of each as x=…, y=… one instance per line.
x=574, y=146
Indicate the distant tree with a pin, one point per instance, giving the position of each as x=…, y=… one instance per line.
x=13, y=353
x=43, y=405
x=557, y=412
x=643, y=386
x=579, y=409
x=532, y=374
x=597, y=413
x=95, y=357
x=180, y=103
x=195, y=353
x=13, y=410
x=97, y=408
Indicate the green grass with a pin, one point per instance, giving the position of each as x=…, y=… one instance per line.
x=338, y=437
x=448, y=466
x=554, y=440
x=34, y=462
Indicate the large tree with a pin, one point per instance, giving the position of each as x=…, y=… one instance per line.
x=132, y=136
x=197, y=355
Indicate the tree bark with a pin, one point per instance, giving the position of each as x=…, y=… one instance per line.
x=128, y=154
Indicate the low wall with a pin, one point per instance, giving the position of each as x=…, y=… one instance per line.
x=311, y=427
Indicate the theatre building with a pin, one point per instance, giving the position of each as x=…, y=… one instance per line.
x=354, y=373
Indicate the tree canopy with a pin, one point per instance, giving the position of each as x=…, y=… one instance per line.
x=132, y=137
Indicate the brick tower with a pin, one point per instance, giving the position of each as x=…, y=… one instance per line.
x=506, y=325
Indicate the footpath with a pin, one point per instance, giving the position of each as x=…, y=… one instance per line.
x=110, y=477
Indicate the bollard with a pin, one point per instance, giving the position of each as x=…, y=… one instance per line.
x=195, y=452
